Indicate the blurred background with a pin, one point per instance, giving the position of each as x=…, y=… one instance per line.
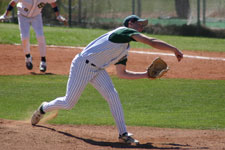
x=163, y=15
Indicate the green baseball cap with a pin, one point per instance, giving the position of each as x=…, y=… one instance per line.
x=134, y=18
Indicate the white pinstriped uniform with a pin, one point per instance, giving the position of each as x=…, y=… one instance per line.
x=100, y=52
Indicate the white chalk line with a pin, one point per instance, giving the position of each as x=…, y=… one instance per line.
x=151, y=53
x=185, y=56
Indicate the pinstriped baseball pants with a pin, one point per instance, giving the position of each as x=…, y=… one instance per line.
x=80, y=75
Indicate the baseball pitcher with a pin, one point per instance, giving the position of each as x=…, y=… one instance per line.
x=89, y=67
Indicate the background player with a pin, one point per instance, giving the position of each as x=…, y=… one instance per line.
x=89, y=67
x=29, y=13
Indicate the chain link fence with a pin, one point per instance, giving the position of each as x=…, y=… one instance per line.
x=110, y=13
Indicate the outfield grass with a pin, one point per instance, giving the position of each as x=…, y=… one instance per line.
x=173, y=103
x=82, y=36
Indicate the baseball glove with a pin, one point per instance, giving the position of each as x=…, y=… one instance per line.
x=157, y=69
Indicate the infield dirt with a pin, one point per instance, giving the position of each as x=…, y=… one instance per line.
x=20, y=135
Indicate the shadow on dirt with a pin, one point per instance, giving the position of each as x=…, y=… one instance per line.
x=121, y=145
x=46, y=73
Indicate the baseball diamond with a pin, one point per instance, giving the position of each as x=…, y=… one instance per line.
x=16, y=134
x=177, y=99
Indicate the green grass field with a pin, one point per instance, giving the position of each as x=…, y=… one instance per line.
x=173, y=103
x=81, y=37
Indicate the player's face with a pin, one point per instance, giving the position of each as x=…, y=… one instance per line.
x=136, y=25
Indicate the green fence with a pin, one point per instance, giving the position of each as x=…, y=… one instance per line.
x=164, y=12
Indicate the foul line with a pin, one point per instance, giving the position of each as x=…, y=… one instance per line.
x=151, y=53
x=187, y=56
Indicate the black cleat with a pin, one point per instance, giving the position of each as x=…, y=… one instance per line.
x=126, y=138
x=29, y=64
x=43, y=66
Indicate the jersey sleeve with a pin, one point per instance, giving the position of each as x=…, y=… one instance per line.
x=123, y=35
x=122, y=61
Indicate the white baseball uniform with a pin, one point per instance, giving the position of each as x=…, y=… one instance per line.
x=29, y=13
x=89, y=67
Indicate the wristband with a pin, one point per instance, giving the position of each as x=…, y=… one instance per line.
x=56, y=9
x=9, y=8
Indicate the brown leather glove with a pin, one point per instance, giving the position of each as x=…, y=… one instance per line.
x=157, y=69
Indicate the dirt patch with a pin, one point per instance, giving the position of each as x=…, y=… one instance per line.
x=21, y=135
x=59, y=60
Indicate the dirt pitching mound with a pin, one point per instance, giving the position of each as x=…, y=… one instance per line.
x=21, y=135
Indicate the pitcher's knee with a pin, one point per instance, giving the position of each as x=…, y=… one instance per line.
x=69, y=104
x=112, y=95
